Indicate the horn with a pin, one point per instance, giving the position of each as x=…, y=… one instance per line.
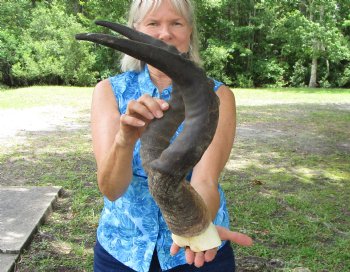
x=193, y=102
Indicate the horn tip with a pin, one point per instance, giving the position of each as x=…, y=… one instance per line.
x=82, y=36
x=79, y=36
x=100, y=22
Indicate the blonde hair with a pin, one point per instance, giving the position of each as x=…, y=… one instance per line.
x=138, y=11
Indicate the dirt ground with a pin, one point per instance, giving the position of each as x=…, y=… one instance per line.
x=18, y=125
x=34, y=122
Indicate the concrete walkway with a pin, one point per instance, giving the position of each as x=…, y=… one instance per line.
x=22, y=210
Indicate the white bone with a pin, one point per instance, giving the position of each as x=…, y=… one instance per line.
x=206, y=240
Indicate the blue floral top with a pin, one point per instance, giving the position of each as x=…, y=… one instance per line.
x=132, y=227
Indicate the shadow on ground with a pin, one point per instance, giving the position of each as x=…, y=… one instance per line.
x=287, y=185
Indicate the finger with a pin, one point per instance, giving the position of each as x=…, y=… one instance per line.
x=174, y=249
x=210, y=254
x=189, y=256
x=163, y=104
x=236, y=237
x=129, y=120
x=136, y=108
x=152, y=105
x=199, y=259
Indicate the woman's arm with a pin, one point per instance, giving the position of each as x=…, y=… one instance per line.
x=108, y=149
x=114, y=136
x=207, y=171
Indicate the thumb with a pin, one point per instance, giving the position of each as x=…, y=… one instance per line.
x=236, y=237
x=174, y=249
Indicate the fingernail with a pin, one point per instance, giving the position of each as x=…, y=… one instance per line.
x=140, y=123
x=165, y=106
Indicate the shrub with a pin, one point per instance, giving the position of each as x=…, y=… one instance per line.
x=215, y=59
x=344, y=79
x=298, y=76
x=48, y=52
x=270, y=73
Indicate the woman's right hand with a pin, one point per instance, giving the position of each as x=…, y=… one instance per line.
x=138, y=115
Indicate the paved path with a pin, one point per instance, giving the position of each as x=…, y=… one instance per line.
x=22, y=210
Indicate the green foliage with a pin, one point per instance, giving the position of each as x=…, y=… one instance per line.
x=49, y=53
x=106, y=59
x=244, y=81
x=344, y=79
x=270, y=72
x=243, y=43
x=13, y=20
x=216, y=58
x=298, y=77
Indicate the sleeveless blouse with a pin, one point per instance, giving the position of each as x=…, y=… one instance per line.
x=132, y=227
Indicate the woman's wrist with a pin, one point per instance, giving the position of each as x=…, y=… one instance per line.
x=123, y=142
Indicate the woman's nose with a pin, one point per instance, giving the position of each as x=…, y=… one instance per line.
x=164, y=34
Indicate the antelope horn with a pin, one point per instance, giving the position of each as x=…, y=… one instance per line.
x=194, y=102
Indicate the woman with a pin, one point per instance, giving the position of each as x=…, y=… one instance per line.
x=132, y=234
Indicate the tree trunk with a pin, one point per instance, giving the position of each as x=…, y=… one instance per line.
x=7, y=77
x=313, y=76
x=77, y=7
x=327, y=63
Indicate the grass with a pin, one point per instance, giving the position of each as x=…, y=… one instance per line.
x=256, y=97
x=288, y=178
x=287, y=181
x=61, y=158
x=43, y=96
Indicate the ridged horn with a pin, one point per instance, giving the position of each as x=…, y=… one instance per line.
x=192, y=101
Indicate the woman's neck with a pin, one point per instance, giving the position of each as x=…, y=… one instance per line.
x=159, y=79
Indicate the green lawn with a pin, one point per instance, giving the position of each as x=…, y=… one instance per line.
x=46, y=95
x=287, y=181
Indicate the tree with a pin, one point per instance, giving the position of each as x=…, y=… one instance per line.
x=244, y=43
x=14, y=18
x=49, y=52
x=308, y=31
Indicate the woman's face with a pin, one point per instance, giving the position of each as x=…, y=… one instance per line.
x=167, y=25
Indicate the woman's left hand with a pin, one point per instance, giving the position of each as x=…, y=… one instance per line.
x=199, y=258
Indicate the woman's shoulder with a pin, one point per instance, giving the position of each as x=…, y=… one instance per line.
x=222, y=90
x=216, y=83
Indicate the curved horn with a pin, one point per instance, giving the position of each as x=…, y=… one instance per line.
x=193, y=101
